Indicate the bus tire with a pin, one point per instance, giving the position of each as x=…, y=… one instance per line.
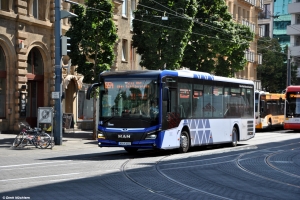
x=130, y=150
x=234, y=137
x=184, y=142
x=270, y=126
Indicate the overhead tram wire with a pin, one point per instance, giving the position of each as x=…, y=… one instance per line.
x=209, y=26
x=87, y=7
x=186, y=31
x=194, y=20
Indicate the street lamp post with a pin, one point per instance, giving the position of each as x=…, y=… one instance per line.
x=288, y=67
x=58, y=77
x=59, y=14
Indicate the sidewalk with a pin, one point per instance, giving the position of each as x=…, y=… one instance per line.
x=76, y=139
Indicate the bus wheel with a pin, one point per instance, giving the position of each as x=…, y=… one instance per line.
x=130, y=150
x=270, y=127
x=184, y=142
x=234, y=137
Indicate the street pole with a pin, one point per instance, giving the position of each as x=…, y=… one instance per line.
x=288, y=68
x=58, y=77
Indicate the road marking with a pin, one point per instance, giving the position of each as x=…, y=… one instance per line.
x=19, y=165
x=15, y=179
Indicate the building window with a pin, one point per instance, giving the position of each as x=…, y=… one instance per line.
x=124, y=50
x=124, y=8
x=239, y=13
x=229, y=7
x=265, y=30
x=133, y=4
x=35, y=62
x=4, y=5
x=297, y=19
x=297, y=41
x=2, y=83
x=132, y=57
x=234, y=11
x=265, y=14
x=35, y=10
x=85, y=107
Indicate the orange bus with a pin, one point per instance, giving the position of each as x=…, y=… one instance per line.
x=269, y=110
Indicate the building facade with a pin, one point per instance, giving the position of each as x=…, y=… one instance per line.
x=27, y=62
x=282, y=19
x=266, y=18
x=293, y=31
x=246, y=12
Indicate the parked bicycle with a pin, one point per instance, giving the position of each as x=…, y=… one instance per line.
x=34, y=136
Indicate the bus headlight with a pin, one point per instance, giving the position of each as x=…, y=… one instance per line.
x=101, y=135
x=151, y=136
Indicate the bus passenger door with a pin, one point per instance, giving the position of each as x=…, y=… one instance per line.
x=171, y=115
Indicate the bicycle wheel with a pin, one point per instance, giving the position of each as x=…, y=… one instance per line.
x=43, y=140
x=20, y=140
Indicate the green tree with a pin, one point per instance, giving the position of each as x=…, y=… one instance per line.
x=273, y=70
x=198, y=34
x=162, y=42
x=93, y=36
x=217, y=43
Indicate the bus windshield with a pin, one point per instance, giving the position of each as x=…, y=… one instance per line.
x=293, y=104
x=129, y=98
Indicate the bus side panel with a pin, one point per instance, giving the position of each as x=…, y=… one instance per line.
x=171, y=138
x=207, y=131
x=292, y=123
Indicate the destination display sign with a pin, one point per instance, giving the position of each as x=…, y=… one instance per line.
x=294, y=95
x=120, y=85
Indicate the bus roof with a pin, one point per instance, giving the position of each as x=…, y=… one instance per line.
x=177, y=73
x=293, y=88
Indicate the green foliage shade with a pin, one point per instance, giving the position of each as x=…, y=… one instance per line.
x=199, y=35
x=93, y=36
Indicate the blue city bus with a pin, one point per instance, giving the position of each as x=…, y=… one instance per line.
x=165, y=109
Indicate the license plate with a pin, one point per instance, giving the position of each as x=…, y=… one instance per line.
x=125, y=143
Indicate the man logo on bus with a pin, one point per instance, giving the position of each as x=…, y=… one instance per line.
x=123, y=136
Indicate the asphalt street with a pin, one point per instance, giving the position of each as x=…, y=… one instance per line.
x=265, y=167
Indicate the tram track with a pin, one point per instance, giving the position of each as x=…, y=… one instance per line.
x=237, y=161
x=207, y=195
x=268, y=162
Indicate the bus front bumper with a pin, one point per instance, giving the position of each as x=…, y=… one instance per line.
x=143, y=144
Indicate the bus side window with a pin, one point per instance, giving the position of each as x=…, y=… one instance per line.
x=197, y=104
x=217, y=101
x=207, y=103
x=185, y=99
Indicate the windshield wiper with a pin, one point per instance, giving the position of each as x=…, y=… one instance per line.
x=108, y=119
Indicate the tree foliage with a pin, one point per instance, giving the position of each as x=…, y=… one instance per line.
x=217, y=43
x=162, y=42
x=93, y=36
x=199, y=34
x=273, y=70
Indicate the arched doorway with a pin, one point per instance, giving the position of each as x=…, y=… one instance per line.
x=35, y=86
x=2, y=83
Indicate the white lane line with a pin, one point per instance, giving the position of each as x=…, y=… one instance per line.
x=15, y=179
x=20, y=165
x=35, y=167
